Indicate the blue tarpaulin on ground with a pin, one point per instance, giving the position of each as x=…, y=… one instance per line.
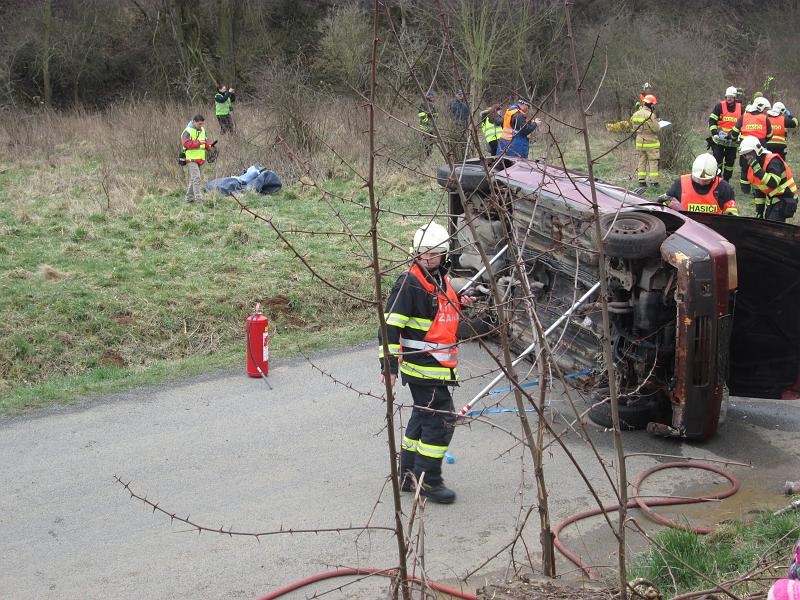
x=254, y=177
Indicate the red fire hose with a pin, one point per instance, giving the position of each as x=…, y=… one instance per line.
x=634, y=502
x=637, y=502
x=350, y=572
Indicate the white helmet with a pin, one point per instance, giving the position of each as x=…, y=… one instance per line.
x=731, y=91
x=704, y=168
x=430, y=237
x=761, y=104
x=750, y=144
x=780, y=107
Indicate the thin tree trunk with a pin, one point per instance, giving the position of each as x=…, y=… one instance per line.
x=373, y=206
x=47, y=51
x=622, y=483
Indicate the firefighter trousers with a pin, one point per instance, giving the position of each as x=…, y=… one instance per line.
x=428, y=433
x=647, y=164
x=726, y=158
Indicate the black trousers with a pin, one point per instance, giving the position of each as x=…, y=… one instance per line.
x=493, y=147
x=726, y=158
x=225, y=123
x=428, y=432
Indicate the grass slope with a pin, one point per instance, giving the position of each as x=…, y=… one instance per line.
x=101, y=301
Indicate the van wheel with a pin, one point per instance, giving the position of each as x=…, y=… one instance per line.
x=632, y=234
x=632, y=415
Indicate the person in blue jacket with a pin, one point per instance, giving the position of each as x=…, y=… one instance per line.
x=517, y=128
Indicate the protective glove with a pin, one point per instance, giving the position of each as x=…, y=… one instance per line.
x=665, y=199
x=788, y=114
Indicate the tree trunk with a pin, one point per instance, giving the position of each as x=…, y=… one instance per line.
x=225, y=28
x=46, y=51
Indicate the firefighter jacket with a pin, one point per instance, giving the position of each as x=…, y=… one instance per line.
x=752, y=123
x=647, y=129
x=715, y=197
x=778, y=125
x=422, y=314
x=771, y=178
x=194, y=142
x=223, y=102
x=724, y=117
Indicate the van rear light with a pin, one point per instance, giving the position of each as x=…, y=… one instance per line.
x=733, y=275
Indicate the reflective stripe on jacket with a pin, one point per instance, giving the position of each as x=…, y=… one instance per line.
x=787, y=181
x=490, y=131
x=222, y=109
x=728, y=118
x=778, y=133
x=195, y=154
x=440, y=339
x=692, y=201
x=508, y=130
x=647, y=129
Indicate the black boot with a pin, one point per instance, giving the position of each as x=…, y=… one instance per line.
x=438, y=493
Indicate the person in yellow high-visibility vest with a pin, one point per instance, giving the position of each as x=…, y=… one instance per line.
x=195, y=144
x=223, y=108
x=648, y=145
x=492, y=127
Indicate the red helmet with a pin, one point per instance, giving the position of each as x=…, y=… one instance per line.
x=649, y=99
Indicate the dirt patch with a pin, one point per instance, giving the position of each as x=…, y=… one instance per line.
x=110, y=357
x=543, y=590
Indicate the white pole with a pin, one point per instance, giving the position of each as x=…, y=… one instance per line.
x=528, y=350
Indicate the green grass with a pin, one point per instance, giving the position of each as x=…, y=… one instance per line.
x=94, y=303
x=732, y=550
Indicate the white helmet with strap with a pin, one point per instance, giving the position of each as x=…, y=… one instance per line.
x=750, y=144
x=731, y=91
x=761, y=104
x=704, y=169
x=430, y=237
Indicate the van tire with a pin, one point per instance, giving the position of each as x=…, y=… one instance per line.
x=632, y=235
x=473, y=178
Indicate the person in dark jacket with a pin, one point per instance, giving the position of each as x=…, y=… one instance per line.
x=422, y=315
x=223, y=108
x=721, y=121
x=459, y=110
x=427, y=113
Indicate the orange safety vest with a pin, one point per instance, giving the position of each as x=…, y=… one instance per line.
x=693, y=202
x=508, y=130
x=441, y=337
x=727, y=119
x=755, y=125
x=778, y=134
x=789, y=184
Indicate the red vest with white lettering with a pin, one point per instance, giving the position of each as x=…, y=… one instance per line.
x=778, y=134
x=442, y=334
x=728, y=118
x=755, y=125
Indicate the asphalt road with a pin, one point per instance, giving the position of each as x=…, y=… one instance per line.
x=308, y=454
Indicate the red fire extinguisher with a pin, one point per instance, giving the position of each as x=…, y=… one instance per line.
x=256, y=335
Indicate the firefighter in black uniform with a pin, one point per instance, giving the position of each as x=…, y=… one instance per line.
x=422, y=314
x=775, y=191
x=721, y=121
